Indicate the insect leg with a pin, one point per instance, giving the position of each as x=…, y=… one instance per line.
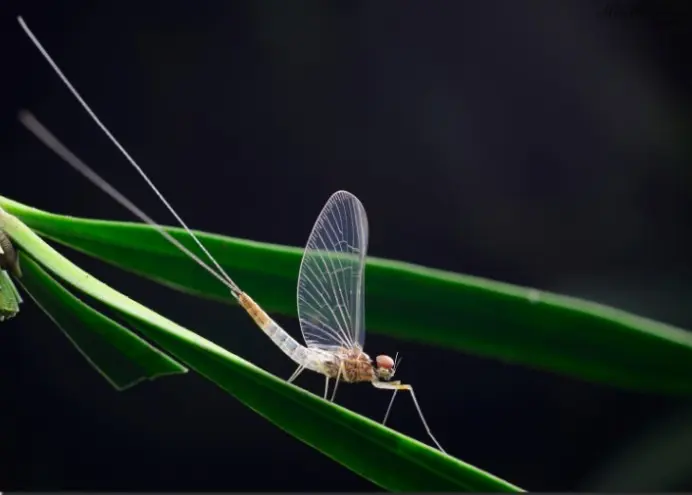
x=336, y=384
x=396, y=386
x=296, y=373
x=389, y=407
x=326, y=387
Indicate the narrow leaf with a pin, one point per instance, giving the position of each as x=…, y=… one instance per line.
x=484, y=317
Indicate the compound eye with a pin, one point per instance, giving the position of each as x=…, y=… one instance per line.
x=384, y=362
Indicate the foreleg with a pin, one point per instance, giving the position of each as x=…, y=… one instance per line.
x=396, y=386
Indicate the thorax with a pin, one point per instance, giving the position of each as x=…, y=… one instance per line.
x=355, y=366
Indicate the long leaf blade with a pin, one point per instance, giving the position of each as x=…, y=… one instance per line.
x=484, y=317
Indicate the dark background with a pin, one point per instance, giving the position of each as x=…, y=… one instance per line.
x=543, y=143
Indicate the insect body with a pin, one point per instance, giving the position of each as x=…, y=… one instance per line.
x=331, y=302
x=348, y=365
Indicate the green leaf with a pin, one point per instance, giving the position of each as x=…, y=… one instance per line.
x=484, y=317
x=385, y=457
x=123, y=358
x=10, y=299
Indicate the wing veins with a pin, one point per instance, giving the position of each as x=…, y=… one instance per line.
x=329, y=306
x=338, y=284
x=333, y=284
x=320, y=316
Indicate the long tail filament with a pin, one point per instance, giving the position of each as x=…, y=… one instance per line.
x=49, y=140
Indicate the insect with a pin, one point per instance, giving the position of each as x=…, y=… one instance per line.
x=10, y=299
x=330, y=285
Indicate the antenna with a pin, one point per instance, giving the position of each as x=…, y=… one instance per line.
x=102, y=183
x=397, y=361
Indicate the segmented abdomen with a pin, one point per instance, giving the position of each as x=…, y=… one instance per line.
x=303, y=356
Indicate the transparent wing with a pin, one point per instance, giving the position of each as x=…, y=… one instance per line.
x=331, y=278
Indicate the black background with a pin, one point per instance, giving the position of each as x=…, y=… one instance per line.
x=541, y=143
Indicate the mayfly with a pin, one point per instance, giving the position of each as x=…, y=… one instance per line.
x=330, y=285
x=10, y=299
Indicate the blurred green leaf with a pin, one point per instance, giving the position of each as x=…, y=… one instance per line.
x=484, y=317
x=9, y=297
x=122, y=357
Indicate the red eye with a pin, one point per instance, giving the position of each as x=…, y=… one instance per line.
x=385, y=362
